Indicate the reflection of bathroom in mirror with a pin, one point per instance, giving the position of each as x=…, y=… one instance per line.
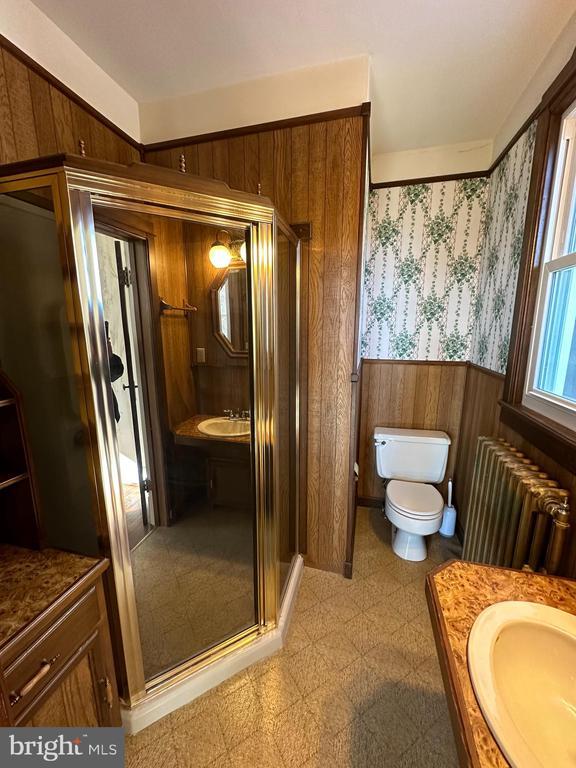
x=201, y=511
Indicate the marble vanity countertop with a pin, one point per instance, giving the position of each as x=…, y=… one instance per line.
x=31, y=580
x=188, y=430
x=457, y=593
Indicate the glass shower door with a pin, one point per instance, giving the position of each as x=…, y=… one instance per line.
x=194, y=567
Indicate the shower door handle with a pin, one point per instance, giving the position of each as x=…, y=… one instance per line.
x=129, y=386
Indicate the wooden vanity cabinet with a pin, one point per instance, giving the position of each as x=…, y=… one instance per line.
x=58, y=670
x=229, y=482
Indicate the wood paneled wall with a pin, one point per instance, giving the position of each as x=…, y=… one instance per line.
x=222, y=381
x=565, y=479
x=168, y=266
x=40, y=117
x=407, y=394
x=313, y=172
x=480, y=416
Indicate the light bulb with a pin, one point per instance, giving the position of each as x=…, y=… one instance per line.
x=243, y=251
x=219, y=255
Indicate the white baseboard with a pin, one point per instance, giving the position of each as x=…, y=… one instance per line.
x=158, y=705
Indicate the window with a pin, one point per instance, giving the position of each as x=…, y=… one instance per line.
x=551, y=381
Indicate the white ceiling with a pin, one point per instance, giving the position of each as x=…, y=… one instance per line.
x=443, y=71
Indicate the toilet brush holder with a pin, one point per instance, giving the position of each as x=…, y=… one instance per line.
x=448, y=526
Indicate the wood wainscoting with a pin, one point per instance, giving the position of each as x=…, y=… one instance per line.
x=565, y=480
x=314, y=172
x=40, y=116
x=407, y=394
x=480, y=416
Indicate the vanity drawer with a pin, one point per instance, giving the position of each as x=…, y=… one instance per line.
x=30, y=672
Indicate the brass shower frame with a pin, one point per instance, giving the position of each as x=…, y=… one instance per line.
x=75, y=189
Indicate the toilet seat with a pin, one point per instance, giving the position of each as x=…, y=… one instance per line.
x=417, y=501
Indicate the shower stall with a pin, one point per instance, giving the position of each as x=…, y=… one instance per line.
x=174, y=340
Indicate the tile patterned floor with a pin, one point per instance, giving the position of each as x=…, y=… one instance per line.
x=356, y=686
x=206, y=595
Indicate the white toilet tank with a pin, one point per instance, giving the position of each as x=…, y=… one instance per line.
x=419, y=455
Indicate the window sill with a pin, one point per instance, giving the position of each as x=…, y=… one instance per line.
x=557, y=442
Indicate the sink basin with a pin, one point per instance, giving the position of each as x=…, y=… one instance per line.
x=223, y=427
x=522, y=662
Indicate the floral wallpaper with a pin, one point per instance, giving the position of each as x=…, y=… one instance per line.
x=441, y=265
x=503, y=237
x=421, y=269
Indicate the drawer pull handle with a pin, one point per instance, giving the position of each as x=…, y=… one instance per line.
x=108, y=691
x=45, y=667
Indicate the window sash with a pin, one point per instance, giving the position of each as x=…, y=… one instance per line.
x=560, y=238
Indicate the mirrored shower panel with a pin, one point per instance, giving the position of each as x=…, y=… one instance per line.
x=193, y=566
x=158, y=327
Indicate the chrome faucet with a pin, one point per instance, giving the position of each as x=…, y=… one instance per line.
x=237, y=414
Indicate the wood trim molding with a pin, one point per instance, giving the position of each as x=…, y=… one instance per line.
x=546, y=435
x=429, y=179
x=528, y=273
x=29, y=62
x=391, y=361
x=534, y=115
x=356, y=373
x=362, y=110
x=549, y=96
x=486, y=371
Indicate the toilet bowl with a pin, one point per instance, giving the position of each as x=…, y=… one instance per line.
x=415, y=511
x=412, y=459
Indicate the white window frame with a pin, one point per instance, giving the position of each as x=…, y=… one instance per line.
x=562, y=210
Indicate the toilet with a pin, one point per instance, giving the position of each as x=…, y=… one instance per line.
x=411, y=459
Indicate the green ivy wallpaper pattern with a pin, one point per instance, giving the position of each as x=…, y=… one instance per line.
x=421, y=269
x=441, y=265
x=494, y=306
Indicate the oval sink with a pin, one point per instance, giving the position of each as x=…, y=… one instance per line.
x=222, y=427
x=522, y=662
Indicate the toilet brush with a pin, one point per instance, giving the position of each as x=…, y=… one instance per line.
x=448, y=526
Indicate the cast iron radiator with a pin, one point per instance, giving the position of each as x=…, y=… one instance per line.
x=517, y=515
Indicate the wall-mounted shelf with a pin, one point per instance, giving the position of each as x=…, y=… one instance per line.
x=18, y=508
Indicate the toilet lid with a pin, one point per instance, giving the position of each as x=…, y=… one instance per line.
x=414, y=499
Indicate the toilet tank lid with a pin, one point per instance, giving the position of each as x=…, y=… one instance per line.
x=389, y=434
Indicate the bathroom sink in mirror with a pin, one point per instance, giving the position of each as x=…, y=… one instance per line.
x=522, y=662
x=229, y=309
x=224, y=427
